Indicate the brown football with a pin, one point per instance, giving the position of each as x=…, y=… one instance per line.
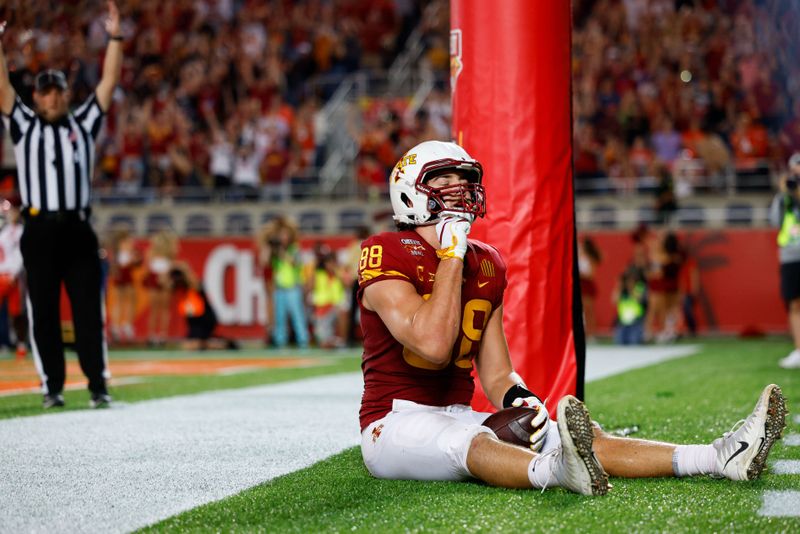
x=513, y=425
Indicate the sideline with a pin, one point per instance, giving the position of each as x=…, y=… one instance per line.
x=125, y=468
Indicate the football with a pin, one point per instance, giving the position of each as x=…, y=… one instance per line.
x=513, y=425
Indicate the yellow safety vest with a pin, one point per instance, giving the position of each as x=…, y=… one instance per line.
x=328, y=289
x=790, y=229
x=629, y=310
x=285, y=273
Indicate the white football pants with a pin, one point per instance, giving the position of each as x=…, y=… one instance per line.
x=419, y=442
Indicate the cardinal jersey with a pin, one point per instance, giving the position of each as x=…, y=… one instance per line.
x=392, y=371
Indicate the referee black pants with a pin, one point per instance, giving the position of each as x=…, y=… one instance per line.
x=56, y=248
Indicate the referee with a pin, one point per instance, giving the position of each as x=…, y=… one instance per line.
x=54, y=149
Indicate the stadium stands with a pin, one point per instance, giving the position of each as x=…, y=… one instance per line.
x=711, y=114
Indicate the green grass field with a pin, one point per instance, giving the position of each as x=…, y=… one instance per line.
x=689, y=400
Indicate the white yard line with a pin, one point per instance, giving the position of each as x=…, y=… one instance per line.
x=780, y=504
x=603, y=361
x=792, y=440
x=785, y=467
x=121, y=469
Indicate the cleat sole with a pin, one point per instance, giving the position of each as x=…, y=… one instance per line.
x=773, y=430
x=582, y=433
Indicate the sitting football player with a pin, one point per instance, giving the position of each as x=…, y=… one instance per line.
x=432, y=308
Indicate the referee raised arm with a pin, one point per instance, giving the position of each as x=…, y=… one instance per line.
x=55, y=158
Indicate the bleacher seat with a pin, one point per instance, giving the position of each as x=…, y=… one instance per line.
x=192, y=195
x=238, y=224
x=157, y=222
x=311, y=221
x=603, y=216
x=198, y=224
x=738, y=213
x=350, y=220
x=118, y=220
x=646, y=215
x=691, y=215
x=268, y=216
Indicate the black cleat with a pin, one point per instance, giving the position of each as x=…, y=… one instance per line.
x=100, y=400
x=53, y=400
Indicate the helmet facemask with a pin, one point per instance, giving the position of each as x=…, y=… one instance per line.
x=469, y=199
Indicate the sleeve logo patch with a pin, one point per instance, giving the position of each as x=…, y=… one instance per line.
x=413, y=246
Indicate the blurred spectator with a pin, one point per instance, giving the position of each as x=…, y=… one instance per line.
x=589, y=258
x=288, y=289
x=159, y=261
x=689, y=287
x=663, y=298
x=785, y=215
x=125, y=258
x=12, y=274
x=666, y=204
x=328, y=301
x=263, y=243
x=195, y=308
x=629, y=299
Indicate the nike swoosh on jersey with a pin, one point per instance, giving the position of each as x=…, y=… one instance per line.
x=481, y=284
x=742, y=447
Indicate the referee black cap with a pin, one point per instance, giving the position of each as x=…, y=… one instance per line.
x=50, y=78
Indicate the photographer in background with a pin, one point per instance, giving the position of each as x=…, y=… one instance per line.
x=196, y=310
x=784, y=213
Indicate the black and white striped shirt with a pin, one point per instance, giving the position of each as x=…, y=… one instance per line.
x=55, y=160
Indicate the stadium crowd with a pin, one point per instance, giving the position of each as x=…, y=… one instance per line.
x=679, y=94
x=702, y=90
x=214, y=93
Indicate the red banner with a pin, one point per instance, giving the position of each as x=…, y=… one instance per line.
x=510, y=75
x=235, y=287
x=739, y=282
x=739, y=278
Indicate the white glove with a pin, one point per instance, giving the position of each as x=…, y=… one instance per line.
x=452, y=232
x=540, y=424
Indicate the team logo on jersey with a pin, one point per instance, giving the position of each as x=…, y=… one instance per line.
x=376, y=433
x=456, y=65
x=413, y=246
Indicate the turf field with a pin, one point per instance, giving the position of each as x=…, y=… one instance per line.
x=688, y=400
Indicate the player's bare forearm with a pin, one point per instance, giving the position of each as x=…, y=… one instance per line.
x=7, y=93
x=439, y=318
x=493, y=363
x=426, y=327
x=112, y=64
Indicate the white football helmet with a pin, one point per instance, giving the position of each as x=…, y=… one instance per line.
x=416, y=203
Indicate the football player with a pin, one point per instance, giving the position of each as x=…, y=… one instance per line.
x=432, y=308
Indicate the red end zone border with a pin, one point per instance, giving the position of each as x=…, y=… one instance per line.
x=21, y=377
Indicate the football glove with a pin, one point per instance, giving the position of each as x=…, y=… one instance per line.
x=452, y=232
x=517, y=397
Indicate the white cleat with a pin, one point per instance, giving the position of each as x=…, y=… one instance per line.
x=579, y=469
x=792, y=361
x=742, y=453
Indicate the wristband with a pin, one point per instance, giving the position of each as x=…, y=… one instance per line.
x=514, y=392
x=117, y=38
